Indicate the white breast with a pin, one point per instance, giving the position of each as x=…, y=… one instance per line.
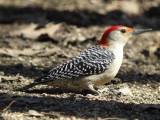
x=115, y=66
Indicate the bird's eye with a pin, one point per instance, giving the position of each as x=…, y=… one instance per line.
x=123, y=31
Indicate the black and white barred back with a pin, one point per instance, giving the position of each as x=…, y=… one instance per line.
x=94, y=60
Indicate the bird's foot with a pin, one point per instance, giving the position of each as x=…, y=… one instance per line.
x=98, y=92
x=92, y=89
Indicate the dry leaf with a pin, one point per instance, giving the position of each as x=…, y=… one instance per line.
x=35, y=113
x=16, y=53
x=33, y=33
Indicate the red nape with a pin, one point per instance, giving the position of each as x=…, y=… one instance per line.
x=104, y=39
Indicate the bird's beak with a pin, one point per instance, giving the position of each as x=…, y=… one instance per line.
x=139, y=31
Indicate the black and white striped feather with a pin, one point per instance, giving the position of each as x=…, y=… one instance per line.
x=93, y=61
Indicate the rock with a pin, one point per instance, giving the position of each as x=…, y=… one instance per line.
x=126, y=91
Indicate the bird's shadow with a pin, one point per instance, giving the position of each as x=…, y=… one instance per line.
x=80, y=107
x=57, y=91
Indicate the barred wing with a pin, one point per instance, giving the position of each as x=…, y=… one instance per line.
x=94, y=60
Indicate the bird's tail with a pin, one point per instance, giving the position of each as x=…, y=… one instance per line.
x=36, y=82
x=27, y=87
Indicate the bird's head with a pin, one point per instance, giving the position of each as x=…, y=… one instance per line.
x=119, y=35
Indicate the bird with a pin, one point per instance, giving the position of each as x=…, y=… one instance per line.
x=93, y=67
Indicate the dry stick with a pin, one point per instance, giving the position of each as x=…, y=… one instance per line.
x=9, y=105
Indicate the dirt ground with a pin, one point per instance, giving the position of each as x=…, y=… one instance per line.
x=37, y=35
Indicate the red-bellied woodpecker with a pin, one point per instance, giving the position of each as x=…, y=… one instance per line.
x=93, y=67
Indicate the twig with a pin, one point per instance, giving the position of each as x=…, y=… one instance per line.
x=8, y=106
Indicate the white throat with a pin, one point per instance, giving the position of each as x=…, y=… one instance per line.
x=117, y=49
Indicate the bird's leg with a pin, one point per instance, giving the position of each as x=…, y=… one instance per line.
x=91, y=88
x=116, y=80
